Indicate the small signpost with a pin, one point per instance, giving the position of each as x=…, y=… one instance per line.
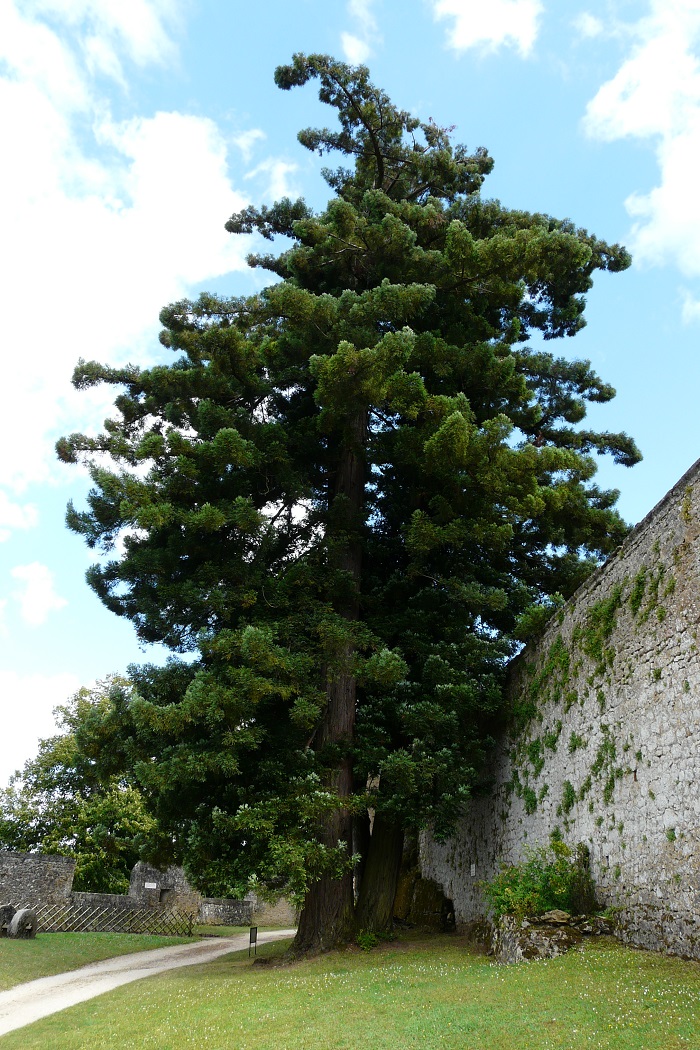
x=253, y=940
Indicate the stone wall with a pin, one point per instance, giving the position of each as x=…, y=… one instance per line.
x=605, y=740
x=150, y=886
x=35, y=877
x=222, y=911
x=31, y=878
x=280, y=914
x=115, y=901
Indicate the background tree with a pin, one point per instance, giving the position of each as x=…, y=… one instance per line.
x=350, y=488
x=59, y=803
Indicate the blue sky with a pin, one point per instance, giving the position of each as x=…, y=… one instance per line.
x=133, y=130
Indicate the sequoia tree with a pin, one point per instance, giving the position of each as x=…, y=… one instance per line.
x=341, y=496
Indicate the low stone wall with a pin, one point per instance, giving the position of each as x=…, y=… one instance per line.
x=35, y=876
x=151, y=887
x=220, y=911
x=280, y=914
x=115, y=901
x=605, y=746
x=42, y=879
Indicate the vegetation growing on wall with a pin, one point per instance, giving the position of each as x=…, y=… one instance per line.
x=549, y=877
x=550, y=680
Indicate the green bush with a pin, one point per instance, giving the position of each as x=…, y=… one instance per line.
x=367, y=940
x=549, y=877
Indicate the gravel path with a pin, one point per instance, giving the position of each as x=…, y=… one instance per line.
x=26, y=1003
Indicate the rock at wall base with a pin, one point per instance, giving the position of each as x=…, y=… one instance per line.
x=542, y=937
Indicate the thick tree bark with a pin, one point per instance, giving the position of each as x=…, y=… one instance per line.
x=360, y=846
x=327, y=918
x=375, y=907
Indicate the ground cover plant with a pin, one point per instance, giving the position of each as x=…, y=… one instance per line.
x=51, y=953
x=431, y=994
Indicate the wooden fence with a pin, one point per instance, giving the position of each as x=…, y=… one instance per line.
x=76, y=916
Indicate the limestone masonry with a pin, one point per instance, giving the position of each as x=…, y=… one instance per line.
x=605, y=740
x=33, y=876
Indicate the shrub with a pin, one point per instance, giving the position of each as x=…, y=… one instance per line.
x=367, y=940
x=549, y=877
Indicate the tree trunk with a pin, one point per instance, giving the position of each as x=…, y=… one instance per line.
x=360, y=846
x=326, y=919
x=375, y=907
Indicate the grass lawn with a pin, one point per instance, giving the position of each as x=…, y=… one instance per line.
x=222, y=931
x=433, y=995
x=56, y=952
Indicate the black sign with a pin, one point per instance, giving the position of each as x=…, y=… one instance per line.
x=253, y=940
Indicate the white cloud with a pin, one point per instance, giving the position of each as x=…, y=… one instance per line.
x=356, y=51
x=278, y=184
x=140, y=29
x=15, y=516
x=37, y=596
x=28, y=703
x=691, y=308
x=358, y=46
x=656, y=94
x=587, y=25
x=246, y=141
x=103, y=221
x=491, y=25
x=362, y=11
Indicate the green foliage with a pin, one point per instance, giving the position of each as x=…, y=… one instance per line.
x=609, y=789
x=600, y=623
x=60, y=803
x=535, y=755
x=551, y=737
x=606, y=753
x=570, y=699
x=340, y=496
x=686, y=505
x=638, y=588
x=533, y=620
x=568, y=797
x=367, y=940
x=549, y=683
x=530, y=800
x=549, y=877
x=654, y=586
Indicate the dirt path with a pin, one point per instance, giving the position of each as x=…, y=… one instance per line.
x=26, y=1003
